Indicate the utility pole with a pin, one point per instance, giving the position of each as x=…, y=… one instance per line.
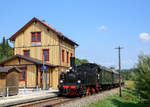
x=119, y=48
x=43, y=71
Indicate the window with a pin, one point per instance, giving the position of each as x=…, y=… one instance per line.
x=63, y=55
x=33, y=36
x=39, y=36
x=46, y=54
x=67, y=57
x=71, y=56
x=22, y=75
x=36, y=36
x=26, y=53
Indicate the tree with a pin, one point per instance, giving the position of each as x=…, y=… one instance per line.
x=5, y=49
x=129, y=74
x=143, y=77
x=80, y=61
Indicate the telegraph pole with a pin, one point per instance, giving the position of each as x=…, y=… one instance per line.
x=119, y=48
x=43, y=71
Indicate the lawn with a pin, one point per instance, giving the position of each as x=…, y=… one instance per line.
x=129, y=99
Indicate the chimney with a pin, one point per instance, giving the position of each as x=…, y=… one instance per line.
x=43, y=21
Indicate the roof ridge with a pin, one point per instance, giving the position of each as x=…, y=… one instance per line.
x=12, y=38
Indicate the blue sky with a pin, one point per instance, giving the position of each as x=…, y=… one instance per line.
x=98, y=26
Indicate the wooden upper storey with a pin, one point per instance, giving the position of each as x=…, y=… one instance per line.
x=24, y=39
x=36, y=36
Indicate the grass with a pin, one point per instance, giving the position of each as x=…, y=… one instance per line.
x=130, y=84
x=129, y=99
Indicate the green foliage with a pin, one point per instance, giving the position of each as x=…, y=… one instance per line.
x=130, y=74
x=129, y=99
x=143, y=77
x=5, y=49
x=80, y=61
x=130, y=84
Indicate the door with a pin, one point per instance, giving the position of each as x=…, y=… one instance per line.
x=41, y=78
x=45, y=80
x=12, y=82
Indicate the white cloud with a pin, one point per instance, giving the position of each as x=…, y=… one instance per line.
x=102, y=28
x=144, y=36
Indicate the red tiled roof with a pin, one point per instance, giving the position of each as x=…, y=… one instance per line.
x=60, y=35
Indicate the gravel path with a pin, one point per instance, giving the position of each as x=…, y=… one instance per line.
x=94, y=98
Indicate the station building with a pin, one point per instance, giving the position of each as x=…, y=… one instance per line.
x=34, y=43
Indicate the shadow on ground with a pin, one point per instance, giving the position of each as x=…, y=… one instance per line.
x=127, y=104
x=131, y=91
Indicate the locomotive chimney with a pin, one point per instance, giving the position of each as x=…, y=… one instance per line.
x=72, y=62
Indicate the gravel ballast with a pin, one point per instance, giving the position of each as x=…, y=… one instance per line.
x=89, y=99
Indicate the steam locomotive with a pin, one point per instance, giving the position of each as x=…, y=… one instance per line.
x=87, y=78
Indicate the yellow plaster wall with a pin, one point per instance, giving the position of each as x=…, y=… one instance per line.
x=22, y=61
x=31, y=76
x=47, y=37
x=67, y=48
x=22, y=84
x=15, y=61
x=49, y=40
x=12, y=62
x=31, y=71
x=55, y=78
x=39, y=76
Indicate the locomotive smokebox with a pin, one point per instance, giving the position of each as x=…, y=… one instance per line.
x=72, y=62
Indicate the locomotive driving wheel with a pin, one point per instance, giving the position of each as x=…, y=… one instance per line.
x=88, y=91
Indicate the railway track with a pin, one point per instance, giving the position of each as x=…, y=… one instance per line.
x=52, y=102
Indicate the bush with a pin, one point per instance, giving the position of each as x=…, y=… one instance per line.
x=143, y=77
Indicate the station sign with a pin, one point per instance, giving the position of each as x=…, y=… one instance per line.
x=44, y=67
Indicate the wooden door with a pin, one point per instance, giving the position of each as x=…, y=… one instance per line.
x=12, y=82
x=2, y=84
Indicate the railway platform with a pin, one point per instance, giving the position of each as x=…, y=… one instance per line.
x=27, y=97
